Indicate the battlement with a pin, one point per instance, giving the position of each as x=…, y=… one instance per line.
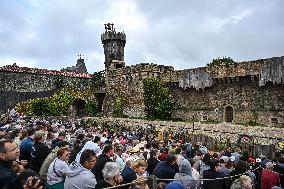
x=113, y=35
x=17, y=69
x=150, y=67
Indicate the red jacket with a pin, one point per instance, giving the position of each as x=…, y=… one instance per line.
x=269, y=179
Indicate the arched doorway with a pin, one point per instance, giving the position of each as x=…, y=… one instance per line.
x=229, y=114
x=78, y=108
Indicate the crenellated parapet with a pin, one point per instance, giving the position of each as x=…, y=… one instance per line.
x=113, y=35
x=261, y=71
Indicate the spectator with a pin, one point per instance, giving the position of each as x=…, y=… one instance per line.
x=140, y=183
x=128, y=174
x=39, y=151
x=214, y=173
x=50, y=158
x=119, y=160
x=77, y=147
x=165, y=169
x=58, y=140
x=269, y=178
x=185, y=175
x=242, y=167
x=175, y=185
x=203, y=164
x=80, y=175
x=58, y=169
x=225, y=162
x=244, y=182
x=90, y=145
x=26, y=146
x=111, y=176
x=9, y=152
x=152, y=162
x=279, y=168
x=103, y=158
x=139, y=166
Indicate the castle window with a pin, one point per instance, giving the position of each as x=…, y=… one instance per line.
x=274, y=120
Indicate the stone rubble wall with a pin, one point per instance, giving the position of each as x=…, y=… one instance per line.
x=244, y=96
x=272, y=71
x=207, y=91
x=222, y=131
x=19, y=87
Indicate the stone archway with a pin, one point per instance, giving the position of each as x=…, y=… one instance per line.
x=78, y=108
x=229, y=114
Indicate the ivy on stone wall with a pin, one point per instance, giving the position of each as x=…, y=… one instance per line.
x=118, y=106
x=91, y=107
x=59, y=104
x=157, y=100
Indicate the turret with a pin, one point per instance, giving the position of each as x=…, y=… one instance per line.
x=113, y=43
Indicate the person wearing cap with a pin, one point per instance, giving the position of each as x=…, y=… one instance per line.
x=165, y=169
x=225, y=163
x=39, y=151
x=58, y=140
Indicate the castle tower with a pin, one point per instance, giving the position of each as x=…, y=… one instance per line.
x=113, y=43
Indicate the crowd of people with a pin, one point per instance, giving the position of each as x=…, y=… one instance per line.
x=56, y=154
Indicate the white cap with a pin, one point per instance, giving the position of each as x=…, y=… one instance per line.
x=225, y=158
x=232, y=158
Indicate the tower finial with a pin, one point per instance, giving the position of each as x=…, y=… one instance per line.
x=109, y=27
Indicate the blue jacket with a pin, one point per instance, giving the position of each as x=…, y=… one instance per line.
x=128, y=175
x=164, y=170
x=26, y=149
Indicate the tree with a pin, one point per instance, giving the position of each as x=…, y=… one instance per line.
x=157, y=100
x=221, y=61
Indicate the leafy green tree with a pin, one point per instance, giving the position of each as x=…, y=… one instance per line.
x=40, y=106
x=221, y=61
x=60, y=103
x=157, y=100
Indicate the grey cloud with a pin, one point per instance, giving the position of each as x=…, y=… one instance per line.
x=183, y=34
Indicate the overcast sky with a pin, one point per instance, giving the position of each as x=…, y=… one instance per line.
x=180, y=33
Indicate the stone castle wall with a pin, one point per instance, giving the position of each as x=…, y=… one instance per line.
x=243, y=96
x=18, y=86
x=206, y=92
